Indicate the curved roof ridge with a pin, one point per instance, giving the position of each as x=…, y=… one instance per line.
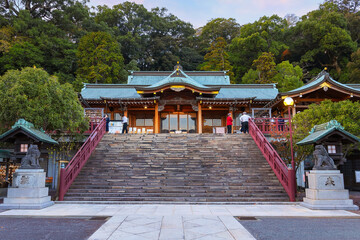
x=178, y=79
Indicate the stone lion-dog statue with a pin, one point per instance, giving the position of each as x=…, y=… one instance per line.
x=322, y=160
x=31, y=160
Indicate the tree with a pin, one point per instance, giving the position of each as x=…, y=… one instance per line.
x=217, y=58
x=100, y=59
x=265, y=65
x=347, y=113
x=22, y=54
x=346, y=5
x=39, y=98
x=37, y=8
x=219, y=27
x=354, y=68
x=321, y=40
x=287, y=77
x=284, y=74
x=265, y=35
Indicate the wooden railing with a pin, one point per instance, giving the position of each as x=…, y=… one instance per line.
x=268, y=125
x=93, y=124
x=68, y=174
x=285, y=175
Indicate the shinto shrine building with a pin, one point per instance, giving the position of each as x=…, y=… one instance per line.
x=177, y=101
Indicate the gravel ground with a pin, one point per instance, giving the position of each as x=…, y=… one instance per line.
x=304, y=228
x=26, y=228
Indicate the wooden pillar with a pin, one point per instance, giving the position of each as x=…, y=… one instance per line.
x=156, y=123
x=199, y=117
x=293, y=111
x=126, y=113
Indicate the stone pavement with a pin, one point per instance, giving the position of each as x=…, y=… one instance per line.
x=175, y=221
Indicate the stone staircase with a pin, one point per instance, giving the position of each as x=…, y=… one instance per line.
x=171, y=167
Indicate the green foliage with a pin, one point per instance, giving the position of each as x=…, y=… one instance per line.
x=354, y=68
x=265, y=35
x=39, y=98
x=265, y=65
x=23, y=54
x=284, y=74
x=220, y=27
x=321, y=40
x=251, y=77
x=347, y=113
x=217, y=58
x=100, y=59
x=288, y=77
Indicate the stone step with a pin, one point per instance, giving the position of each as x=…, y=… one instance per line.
x=166, y=167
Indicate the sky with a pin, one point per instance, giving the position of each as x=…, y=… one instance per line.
x=199, y=12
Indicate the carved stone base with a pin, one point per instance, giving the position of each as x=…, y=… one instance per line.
x=326, y=191
x=28, y=191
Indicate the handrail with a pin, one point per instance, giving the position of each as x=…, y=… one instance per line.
x=285, y=175
x=68, y=174
x=268, y=125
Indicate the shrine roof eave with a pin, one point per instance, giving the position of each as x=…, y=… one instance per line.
x=33, y=133
x=225, y=99
x=128, y=99
x=168, y=85
x=5, y=153
x=316, y=136
x=314, y=84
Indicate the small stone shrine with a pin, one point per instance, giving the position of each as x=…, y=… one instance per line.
x=326, y=183
x=28, y=189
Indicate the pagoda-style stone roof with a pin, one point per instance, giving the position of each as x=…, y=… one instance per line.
x=28, y=129
x=321, y=131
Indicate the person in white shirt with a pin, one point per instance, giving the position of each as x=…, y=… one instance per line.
x=244, y=119
x=125, y=124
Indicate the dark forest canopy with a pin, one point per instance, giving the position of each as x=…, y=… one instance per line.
x=51, y=34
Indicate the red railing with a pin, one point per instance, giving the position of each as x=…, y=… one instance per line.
x=285, y=175
x=93, y=124
x=267, y=125
x=68, y=174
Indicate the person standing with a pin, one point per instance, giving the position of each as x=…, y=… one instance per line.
x=244, y=119
x=107, y=119
x=229, y=123
x=125, y=124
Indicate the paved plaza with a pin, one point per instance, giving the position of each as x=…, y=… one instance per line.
x=185, y=221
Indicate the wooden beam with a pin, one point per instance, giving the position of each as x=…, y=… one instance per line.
x=309, y=99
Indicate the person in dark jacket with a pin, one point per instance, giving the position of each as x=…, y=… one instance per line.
x=107, y=122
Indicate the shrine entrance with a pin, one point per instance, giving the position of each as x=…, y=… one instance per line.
x=178, y=122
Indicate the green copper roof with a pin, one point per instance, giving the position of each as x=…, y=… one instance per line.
x=177, y=77
x=201, y=77
x=320, y=131
x=98, y=91
x=322, y=77
x=30, y=129
x=259, y=91
x=4, y=153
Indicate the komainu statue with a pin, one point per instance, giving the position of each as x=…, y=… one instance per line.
x=322, y=160
x=31, y=160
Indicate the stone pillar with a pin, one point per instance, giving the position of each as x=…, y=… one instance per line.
x=199, y=117
x=156, y=123
x=326, y=191
x=28, y=191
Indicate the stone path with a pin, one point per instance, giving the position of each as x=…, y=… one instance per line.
x=175, y=221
